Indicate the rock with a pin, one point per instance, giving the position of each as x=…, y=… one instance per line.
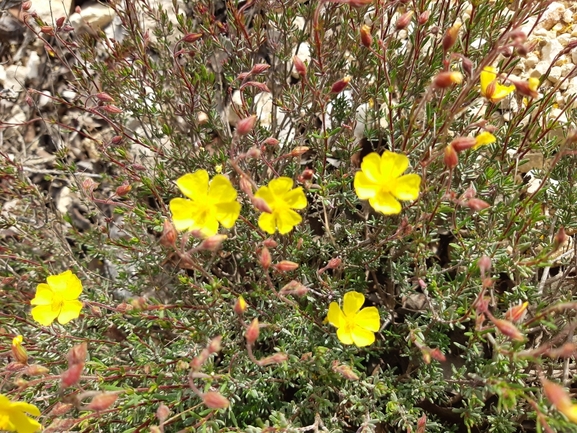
x=93, y=16
x=564, y=39
x=568, y=16
x=539, y=69
x=555, y=74
x=15, y=77
x=51, y=10
x=45, y=99
x=33, y=64
x=550, y=50
x=554, y=13
x=530, y=61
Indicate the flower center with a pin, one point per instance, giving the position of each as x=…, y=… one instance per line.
x=5, y=423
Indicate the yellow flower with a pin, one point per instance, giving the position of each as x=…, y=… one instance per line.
x=354, y=326
x=18, y=350
x=483, y=139
x=13, y=416
x=281, y=199
x=210, y=203
x=381, y=182
x=490, y=87
x=57, y=299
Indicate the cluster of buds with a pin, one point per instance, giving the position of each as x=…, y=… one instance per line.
x=257, y=69
x=428, y=353
x=76, y=360
x=505, y=327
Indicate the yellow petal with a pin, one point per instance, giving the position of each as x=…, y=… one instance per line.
x=43, y=296
x=70, y=310
x=371, y=167
x=344, y=335
x=570, y=412
x=280, y=186
x=369, y=319
x=181, y=210
x=362, y=337
x=393, y=164
x=296, y=198
x=407, y=187
x=44, y=314
x=352, y=303
x=208, y=224
x=265, y=193
x=73, y=288
x=22, y=423
x=25, y=407
x=194, y=185
x=501, y=92
x=286, y=220
x=534, y=83
x=227, y=213
x=335, y=315
x=385, y=203
x=484, y=138
x=58, y=283
x=488, y=75
x=221, y=190
x=364, y=186
x=267, y=222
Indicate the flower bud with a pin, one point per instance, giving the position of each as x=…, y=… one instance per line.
x=447, y=79
x=192, y=37
x=270, y=243
x=104, y=97
x=245, y=125
x=484, y=264
x=162, y=412
x=340, y=85
x=437, y=355
x=168, y=238
x=559, y=398
x=271, y=141
x=508, y=329
x=460, y=144
x=112, y=109
x=467, y=65
x=451, y=37
x=422, y=424
x=212, y=243
x=88, y=185
x=527, y=88
x=60, y=409
x=215, y=344
x=306, y=175
x=72, y=375
x=245, y=186
x=26, y=5
x=102, y=401
x=215, y=400
x=476, y=204
x=261, y=204
x=366, y=37
x=240, y=306
x=18, y=351
x=404, y=20
x=253, y=152
x=259, y=68
x=285, y=266
x=60, y=21
x=277, y=358
x=298, y=151
x=344, y=370
x=518, y=35
x=36, y=370
x=122, y=190
x=299, y=66
x=252, y=332
x=47, y=30
x=423, y=17
x=517, y=313
x=566, y=351
x=265, y=258
x=117, y=139
x=77, y=355
x=450, y=157
x=294, y=288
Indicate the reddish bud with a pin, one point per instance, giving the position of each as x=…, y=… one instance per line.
x=559, y=398
x=476, y=204
x=72, y=375
x=517, y=313
x=47, y=30
x=298, y=151
x=271, y=141
x=265, y=258
x=60, y=21
x=77, y=355
x=306, y=175
x=36, y=370
x=344, y=370
x=460, y=144
x=78, y=9
x=518, y=35
x=162, y=412
x=18, y=351
x=527, y=88
x=215, y=344
x=260, y=204
x=340, y=85
x=261, y=86
x=566, y=351
x=422, y=424
x=451, y=37
x=26, y=5
x=285, y=266
x=60, y=409
x=299, y=66
x=424, y=17
x=404, y=20
x=484, y=264
x=112, y=109
x=240, y=306
x=259, y=68
x=192, y=37
x=366, y=37
x=245, y=186
x=213, y=243
x=294, y=288
x=215, y=400
x=245, y=125
x=467, y=66
x=437, y=355
x=450, y=157
x=508, y=329
x=102, y=401
x=104, y=97
x=253, y=152
x=168, y=238
x=270, y=243
x=252, y=332
x=334, y=263
x=447, y=79
x=122, y=190
x=117, y=139
x=277, y=358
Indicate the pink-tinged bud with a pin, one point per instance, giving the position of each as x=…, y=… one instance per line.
x=162, y=412
x=254, y=153
x=437, y=355
x=68, y=28
x=88, y=185
x=29, y=101
x=306, y=175
x=18, y=351
x=102, y=401
x=366, y=37
x=60, y=409
x=26, y=6
x=196, y=363
x=334, y=263
x=104, y=97
x=271, y=141
x=60, y=21
x=467, y=66
x=451, y=37
x=423, y=18
x=252, y=332
x=36, y=370
x=77, y=355
x=344, y=370
x=47, y=30
x=259, y=68
x=491, y=89
x=517, y=313
x=240, y=306
x=215, y=345
x=484, y=264
x=95, y=310
x=138, y=167
x=298, y=151
x=447, y=79
x=245, y=186
x=559, y=398
x=404, y=20
x=261, y=204
x=192, y=37
x=566, y=351
x=340, y=85
x=422, y=424
x=117, y=139
x=72, y=375
x=508, y=329
x=261, y=86
x=122, y=190
x=270, y=243
x=450, y=157
x=214, y=400
x=277, y=358
x=518, y=35
x=112, y=109
x=299, y=66
x=463, y=143
x=476, y=204
x=168, y=238
x=265, y=258
x=78, y=9
x=527, y=88
x=245, y=125
x=285, y=266
x=294, y=288
x=212, y=243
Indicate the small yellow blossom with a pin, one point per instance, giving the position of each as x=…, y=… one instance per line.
x=490, y=87
x=483, y=139
x=207, y=205
x=13, y=416
x=19, y=351
x=557, y=395
x=381, y=182
x=354, y=326
x=280, y=196
x=57, y=299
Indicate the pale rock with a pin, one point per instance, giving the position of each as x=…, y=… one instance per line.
x=299, y=23
x=2, y=75
x=15, y=77
x=45, y=99
x=542, y=33
x=369, y=16
x=566, y=69
x=33, y=65
x=560, y=99
x=528, y=26
x=263, y=108
x=558, y=114
x=402, y=34
x=63, y=200
x=552, y=15
x=93, y=16
x=478, y=43
x=365, y=119
x=69, y=95
x=50, y=10
x=540, y=69
x=467, y=11
x=232, y=108
x=555, y=74
x=557, y=28
x=571, y=91
x=550, y=50
x=564, y=39
x=568, y=16
x=574, y=30
x=574, y=56
x=530, y=61
x=303, y=52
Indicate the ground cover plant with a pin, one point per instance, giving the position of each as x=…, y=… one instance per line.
x=291, y=216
